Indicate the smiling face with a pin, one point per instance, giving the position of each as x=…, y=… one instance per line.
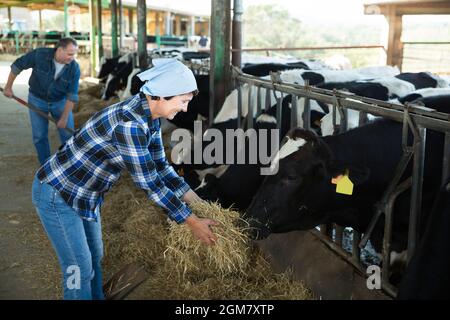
x=66, y=54
x=168, y=108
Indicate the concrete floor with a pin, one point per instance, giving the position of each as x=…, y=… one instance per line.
x=25, y=254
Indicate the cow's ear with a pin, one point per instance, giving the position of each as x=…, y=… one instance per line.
x=300, y=133
x=358, y=174
x=210, y=179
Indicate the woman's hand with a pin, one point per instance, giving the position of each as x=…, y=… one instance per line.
x=201, y=230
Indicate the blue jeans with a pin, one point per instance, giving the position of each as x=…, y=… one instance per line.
x=39, y=125
x=77, y=242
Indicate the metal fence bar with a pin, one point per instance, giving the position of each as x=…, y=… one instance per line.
x=344, y=120
x=307, y=115
x=362, y=118
x=419, y=119
x=431, y=120
x=258, y=100
x=339, y=235
x=294, y=111
x=356, y=251
x=267, y=102
x=250, y=109
x=446, y=160
x=387, y=238
x=326, y=229
x=239, y=111
x=416, y=192
x=376, y=46
x=279, y=112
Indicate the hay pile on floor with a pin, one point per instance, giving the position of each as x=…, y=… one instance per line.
x=90, y=102
x=135, y=230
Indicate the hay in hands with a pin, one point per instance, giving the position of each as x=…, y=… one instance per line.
x=230, y=253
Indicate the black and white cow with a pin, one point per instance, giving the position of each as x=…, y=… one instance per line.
x=301, y=195
x=427, y=275
x=264, y=69
x=122, y=75
x=406, y=85
x=424, y=93
x=316, y=77
x=228, y=112
x=107, y=65
x=237, y=185
x=391, y=87
x=117, y=79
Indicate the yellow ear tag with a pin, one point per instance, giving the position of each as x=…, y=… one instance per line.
x=344, y=185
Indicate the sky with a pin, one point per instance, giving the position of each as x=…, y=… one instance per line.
x=305, y=10
x=320, y=10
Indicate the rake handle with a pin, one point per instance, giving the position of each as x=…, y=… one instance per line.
x=39, y=112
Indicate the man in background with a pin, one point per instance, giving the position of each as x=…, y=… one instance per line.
x=53, y=89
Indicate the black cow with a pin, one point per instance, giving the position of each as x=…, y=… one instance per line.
x=118, y=78
x=239, y=183
x=231, y=188
x=107, y=65
x=199, y=105
x=264, y=69
x=190, y=55
x=301, y=196
x=427, y=275
x=424, y=93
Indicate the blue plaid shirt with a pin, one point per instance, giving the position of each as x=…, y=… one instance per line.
x=122, y=136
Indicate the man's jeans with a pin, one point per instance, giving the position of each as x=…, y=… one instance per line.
x=77, y=242
x=39, y=125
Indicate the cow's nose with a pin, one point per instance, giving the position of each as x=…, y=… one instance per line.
x=258, y=230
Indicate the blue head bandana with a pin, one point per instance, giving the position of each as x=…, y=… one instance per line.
x=168, y=77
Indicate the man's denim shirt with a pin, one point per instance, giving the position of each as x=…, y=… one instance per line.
x=42, y=81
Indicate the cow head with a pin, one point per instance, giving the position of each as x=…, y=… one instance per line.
x=208, y=189
x=111, y=86
x=300, y=195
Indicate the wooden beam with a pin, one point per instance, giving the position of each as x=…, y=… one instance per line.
x=238, y=10
x=177, y=25
x=442, y=7
x=158, y=30
x=191, y=26
x=99, y=29
x=219, y=82
x=130, y=20
x=92, y=35
x=66, y=19
x=10, y=23
x=41, y=25
x=142, y=33
x=120, y=25
x=395, y=46
x=168, y=23
x=115, y=47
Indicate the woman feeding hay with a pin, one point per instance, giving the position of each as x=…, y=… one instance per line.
x=68, y=189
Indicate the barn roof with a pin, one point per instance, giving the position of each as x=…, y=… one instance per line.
x=189, y=8
x=407, y=7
